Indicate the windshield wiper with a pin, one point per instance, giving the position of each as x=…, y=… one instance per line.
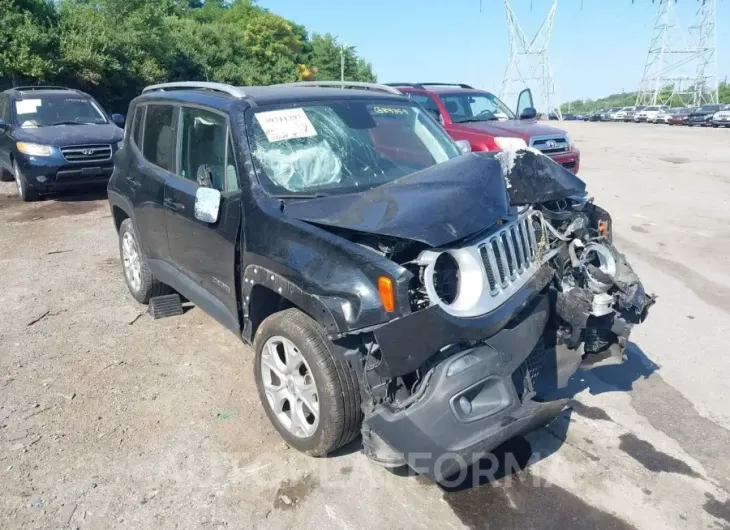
x=74, y=123
x=474, y=120
x=301, y=196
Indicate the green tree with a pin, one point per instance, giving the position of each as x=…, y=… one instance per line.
x=28, y=41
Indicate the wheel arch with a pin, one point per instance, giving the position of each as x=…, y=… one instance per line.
x=265, y=292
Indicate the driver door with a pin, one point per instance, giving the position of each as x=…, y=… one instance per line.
x=205, y=253
x=524, y=101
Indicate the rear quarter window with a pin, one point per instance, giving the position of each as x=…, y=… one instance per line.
x=136, y=130
x=159, y=136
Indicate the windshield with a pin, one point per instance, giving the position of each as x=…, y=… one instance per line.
x=708, y=108
x=57, y=111
x=344, y=146
x=651, y=109
x=470, y=107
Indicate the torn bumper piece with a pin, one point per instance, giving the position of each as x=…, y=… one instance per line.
x=474, y=401
x=408, y=342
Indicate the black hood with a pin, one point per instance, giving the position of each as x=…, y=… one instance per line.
x=435, y=206
x=532, y=178
x=67, y=135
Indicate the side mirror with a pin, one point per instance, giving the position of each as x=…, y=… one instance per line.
x=118, y=119
x=464, y=146
x=528, y=113
x=207, y=204
x=3, y=125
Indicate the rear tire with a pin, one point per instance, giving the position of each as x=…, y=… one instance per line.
x=284, y=382
x=5, y=175
x=26, y=192
x=137, y=274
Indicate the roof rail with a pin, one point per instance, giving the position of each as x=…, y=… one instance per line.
x=347, y=84
x=460, y=85
x=39, y=87
x=201, y=85
x=412, y=85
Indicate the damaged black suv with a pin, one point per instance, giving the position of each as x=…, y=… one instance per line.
x=392, y=286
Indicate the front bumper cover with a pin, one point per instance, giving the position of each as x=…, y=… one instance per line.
x=436, y=436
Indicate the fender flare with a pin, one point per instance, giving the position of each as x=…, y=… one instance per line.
x=311, y=304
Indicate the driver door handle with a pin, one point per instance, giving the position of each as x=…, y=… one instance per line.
x=172, y=205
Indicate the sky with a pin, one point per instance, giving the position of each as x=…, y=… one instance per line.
x=595, y=51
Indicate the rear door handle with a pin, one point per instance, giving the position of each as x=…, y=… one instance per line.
x=172, y=205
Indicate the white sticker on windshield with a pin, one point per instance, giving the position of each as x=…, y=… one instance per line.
x=27, y=106
x=285, y=124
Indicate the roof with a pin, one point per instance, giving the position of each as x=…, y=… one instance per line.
x=41, y=91
x=264, y=95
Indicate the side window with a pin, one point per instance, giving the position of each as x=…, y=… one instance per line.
x=4, y=108
x=231, y=172
x=202, y=148
x=136, y=129
x=159, y=136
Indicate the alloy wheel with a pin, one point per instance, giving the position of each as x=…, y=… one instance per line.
x=289, y=387
x=131, y=261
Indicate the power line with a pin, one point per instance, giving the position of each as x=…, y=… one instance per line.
x=529, y=60
x=681, y=65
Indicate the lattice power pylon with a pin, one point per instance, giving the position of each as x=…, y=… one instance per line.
x=682, y=64
x=529, y=62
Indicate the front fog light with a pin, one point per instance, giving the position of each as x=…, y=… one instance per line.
x=41, y=179
x=465, y=405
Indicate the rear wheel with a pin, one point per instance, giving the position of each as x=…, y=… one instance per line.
x=140, y=281
x=26, y=192
x=310, y=394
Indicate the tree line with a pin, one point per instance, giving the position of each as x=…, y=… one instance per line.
x=628, y=99
x=112, y=49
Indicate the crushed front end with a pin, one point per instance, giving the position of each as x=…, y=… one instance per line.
x=500, y=321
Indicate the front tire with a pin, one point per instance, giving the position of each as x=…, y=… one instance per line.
x=26, y=192
x=137, y=274
x=309, y=392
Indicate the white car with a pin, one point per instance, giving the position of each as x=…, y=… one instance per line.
x=621, y=114
x=649, y=114
x=721, y=118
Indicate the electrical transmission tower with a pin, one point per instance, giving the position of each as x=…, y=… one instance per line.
x=681, y=66
x=529, y=62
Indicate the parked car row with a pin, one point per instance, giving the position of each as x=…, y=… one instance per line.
x=384, y=275
x=716, y=115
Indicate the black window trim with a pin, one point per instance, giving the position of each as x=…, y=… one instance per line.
x=229, y=135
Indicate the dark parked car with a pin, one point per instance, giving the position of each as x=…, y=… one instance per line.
x=703, y=115
x=681, y=116
x=391, y=285
x=55, y=138
x=596, y=115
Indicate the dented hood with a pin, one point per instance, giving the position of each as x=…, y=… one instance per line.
x=435, y=206
x=533, y=178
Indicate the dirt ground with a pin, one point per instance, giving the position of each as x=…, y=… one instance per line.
x=109, y=419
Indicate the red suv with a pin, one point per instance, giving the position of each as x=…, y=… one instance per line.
x=480, y=118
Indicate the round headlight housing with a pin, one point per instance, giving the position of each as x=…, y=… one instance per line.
x=446, y=278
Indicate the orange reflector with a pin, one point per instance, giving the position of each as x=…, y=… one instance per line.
x=385, y=287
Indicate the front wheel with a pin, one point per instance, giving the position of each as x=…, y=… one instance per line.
x=308, y=390
x=26, y=192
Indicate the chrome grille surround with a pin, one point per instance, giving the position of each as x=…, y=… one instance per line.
x=550, y=144
x=494, y=268
x=87, y=153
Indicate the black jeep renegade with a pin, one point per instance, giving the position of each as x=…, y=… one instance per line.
x=391, y=286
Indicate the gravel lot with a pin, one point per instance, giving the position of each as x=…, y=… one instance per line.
x=109, y=419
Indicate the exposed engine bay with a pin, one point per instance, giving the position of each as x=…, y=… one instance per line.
x=533, y=298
